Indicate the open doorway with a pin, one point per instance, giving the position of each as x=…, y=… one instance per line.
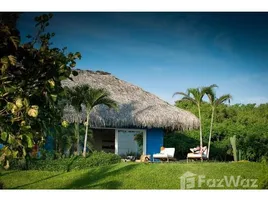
x=104, y=140
x=129, y=142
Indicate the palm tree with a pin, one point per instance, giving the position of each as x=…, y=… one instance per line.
x=75, y=98
x=214, y=102
x=92, y=98
x=195, y=95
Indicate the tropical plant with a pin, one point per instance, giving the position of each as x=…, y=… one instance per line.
x=30, y=79
x=233, y=143
x=93, y=97
x=195, y=95
x=76, y=98
x=1, y=185
x=214, y=102
x=248, y=122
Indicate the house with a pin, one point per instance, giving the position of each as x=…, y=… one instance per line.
x=138, y=126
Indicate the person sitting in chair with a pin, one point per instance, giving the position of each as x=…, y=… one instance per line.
x=196, y=150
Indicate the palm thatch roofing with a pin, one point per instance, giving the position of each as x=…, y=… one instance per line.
x=137, y=108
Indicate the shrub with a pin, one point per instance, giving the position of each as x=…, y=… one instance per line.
x=18, y=164
x=1, y=185
x=75, y=163
x=264, y=183
x=96, y=159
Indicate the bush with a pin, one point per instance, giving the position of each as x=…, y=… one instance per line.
x=1, y=185
x=18, y=164
x=264, y=183
x=75, y=163
x=181, y=142
x=96, y=159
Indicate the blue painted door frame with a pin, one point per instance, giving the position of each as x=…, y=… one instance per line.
x=154, y=140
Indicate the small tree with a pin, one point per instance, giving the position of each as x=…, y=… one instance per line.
x=195, y=95
x=93, y=97
x=30, y=79
x=76, y=98
x=214, y=102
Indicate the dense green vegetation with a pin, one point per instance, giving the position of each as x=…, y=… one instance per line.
x=247, y=122
x=32, y=98
x=91, y=97
x=136, y=176
x=31, y=109
x=93, y=159
x=31, y=90
x=195, y=96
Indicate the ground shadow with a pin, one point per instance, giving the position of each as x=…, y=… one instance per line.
x=5, y=173
x=90, y=180
x=24, y=185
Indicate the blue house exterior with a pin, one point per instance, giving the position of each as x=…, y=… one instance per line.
x=154, y=140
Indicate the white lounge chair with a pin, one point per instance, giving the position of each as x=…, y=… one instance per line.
x=196, y=156
x=166, y=154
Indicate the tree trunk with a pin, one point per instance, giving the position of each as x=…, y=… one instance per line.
x=210, y=131
x=201, y=140
x=77, y=135
x=85, y=142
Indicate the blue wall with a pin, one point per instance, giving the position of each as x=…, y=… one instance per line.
x=155, y=140
x=49, y=145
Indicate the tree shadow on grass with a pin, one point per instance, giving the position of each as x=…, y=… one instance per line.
x=24, y=185
x=5, y=173
x=91, y=179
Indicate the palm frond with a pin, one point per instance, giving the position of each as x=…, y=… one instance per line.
x=210, y=92
x=196, y=93
x=96, y=96
x=107, y=102
x=222, y=99
x=213, y=86
x=186, y=97
x=179, y=93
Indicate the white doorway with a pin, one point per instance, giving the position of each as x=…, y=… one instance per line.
x=130, y=142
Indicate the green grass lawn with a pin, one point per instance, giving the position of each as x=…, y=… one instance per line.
x=136, y=176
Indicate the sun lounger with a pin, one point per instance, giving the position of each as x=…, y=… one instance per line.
x=166, y=154
x=196, y=156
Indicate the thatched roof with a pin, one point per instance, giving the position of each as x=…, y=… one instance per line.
x=137, y=108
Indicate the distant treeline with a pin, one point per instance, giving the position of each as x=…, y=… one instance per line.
x=248, y=122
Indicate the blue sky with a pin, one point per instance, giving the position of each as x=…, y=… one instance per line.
x=167, y=52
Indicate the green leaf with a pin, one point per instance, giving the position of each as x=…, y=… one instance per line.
x=54, y=97
x=12, y=59
x=27, y=140
x=24, y=152
x=15, y=154
x=26, y=102
x=8, y=152
x=10, y=106
x=77, y=55
x=73, y=64
x=75, y=73
x=15, y=41
x=4, y=60
x=4, y=136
